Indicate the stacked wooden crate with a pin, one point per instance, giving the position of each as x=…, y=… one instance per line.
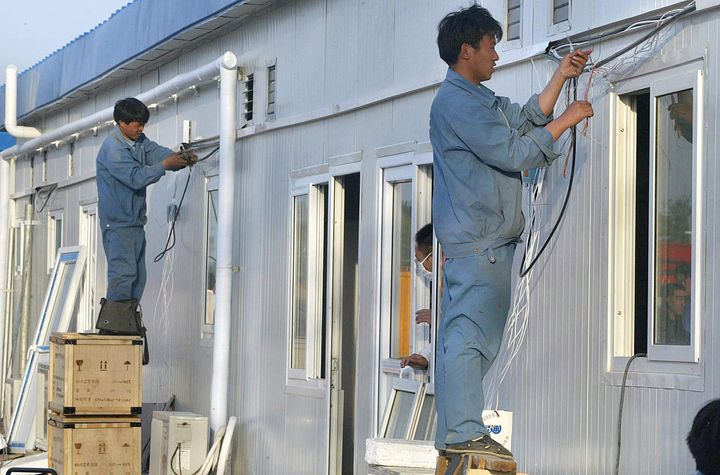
x=95, y=400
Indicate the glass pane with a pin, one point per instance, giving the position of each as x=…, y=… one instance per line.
x=673, y=218
x=401, y=260
x=211, y=257
x=513, y=31
x=560, y=14
x=400, y=415
x=64, y=277
x=426, y=422
x=513, y=4
x=300, y=281
x=58, y=234
x=514, y=16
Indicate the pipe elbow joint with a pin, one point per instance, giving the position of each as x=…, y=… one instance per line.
x=228, y=60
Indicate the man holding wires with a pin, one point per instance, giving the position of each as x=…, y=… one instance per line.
x=127, y=163
x=481, y=143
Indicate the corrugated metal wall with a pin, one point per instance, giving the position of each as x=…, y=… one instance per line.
x=336, y=52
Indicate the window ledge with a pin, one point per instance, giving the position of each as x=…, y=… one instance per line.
x=659, y=375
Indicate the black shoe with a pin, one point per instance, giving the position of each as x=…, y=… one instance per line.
x=484, y=445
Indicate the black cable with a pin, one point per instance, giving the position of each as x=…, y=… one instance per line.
x=620, y=414
x=49, y=189
x=170, y=242
x=172, y=459
x=524, y=271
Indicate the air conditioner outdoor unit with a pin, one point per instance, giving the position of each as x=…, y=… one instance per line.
x=178, y=442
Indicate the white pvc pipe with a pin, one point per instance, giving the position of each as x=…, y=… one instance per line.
x=11, y=107
x=4, y=242
x=226, y=212
x=158, y=93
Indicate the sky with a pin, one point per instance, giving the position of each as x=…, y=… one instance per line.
x=32, y=29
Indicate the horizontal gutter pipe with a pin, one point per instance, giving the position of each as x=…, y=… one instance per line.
x=100, y=118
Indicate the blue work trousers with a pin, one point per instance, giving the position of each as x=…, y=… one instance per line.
x=474, y=309
x=125, y=253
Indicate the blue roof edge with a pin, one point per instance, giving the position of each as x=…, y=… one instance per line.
x=132, y=30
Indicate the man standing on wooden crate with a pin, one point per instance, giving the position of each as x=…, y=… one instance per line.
x=481, y=143
x=128, y=162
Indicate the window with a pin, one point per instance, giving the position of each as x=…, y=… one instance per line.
x=44, y=166
x=427, y=417
x=308, y=308
x=513, y=20
x=211, y=228
x=656, y=218
x=401, y=409
x=71, y=159
x=410, y=412
x=54, y=237
x=400, y=278
x=56, y=316
x=271, y=93
x=561, y=11
x=89, y=239
x=406, y=207
x=247, y=92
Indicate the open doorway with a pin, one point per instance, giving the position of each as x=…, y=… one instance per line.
x=346, y=217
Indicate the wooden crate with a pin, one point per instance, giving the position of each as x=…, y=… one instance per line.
x=95, y=374
x=94, y=445
x=475, y=465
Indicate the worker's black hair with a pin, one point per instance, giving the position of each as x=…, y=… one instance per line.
x=424, y=238
x=467, y=25
x=704, y=438
x=131, y=110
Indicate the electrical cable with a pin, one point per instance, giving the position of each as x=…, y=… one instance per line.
x=553, y=50
x=620, y=414
x=170, y=242
x=689, y=8
x=39, y=191
x=524, y=270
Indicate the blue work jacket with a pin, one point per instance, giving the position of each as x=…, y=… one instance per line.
x=123, y=170
x=481, y=142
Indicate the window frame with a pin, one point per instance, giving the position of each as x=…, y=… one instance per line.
x=22, y=421
x=407, y=386
x=317, y=288
x=661, y=368
x=211, y=184
x=390, y=177
x=514, y=42
x=401, y=162
x=52, y=237
x=87, y=300
x=563, y=25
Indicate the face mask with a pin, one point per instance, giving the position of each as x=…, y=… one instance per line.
x=424, y=274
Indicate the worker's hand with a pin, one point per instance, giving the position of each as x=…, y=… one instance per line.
x=190, y=158
x=573, y=63
x=414, y=361
x=175, y=161
x=576, y=113
x=423, y=316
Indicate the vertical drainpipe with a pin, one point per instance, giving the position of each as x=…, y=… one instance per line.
x=22, y=133
x=4, y=250
x=226, y=213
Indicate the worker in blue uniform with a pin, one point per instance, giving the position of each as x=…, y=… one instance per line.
x=481, y=142
x=127, y=163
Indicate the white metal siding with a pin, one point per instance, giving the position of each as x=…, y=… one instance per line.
x=337, y=52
